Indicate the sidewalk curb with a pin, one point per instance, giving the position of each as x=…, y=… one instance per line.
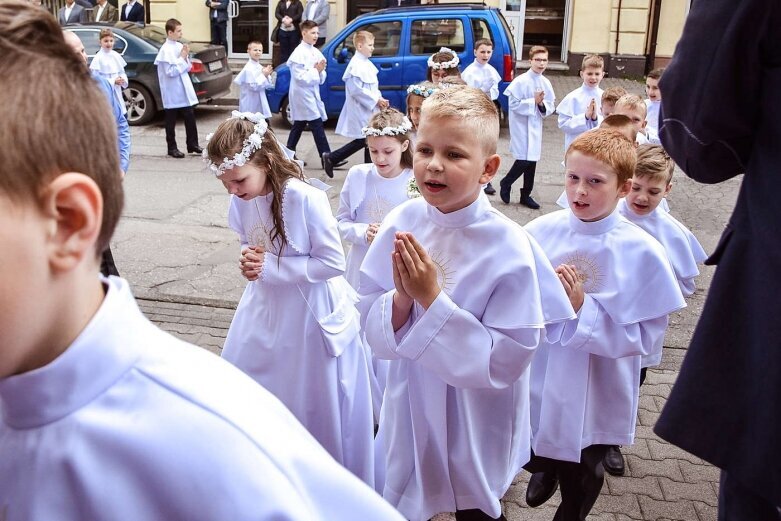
x=183, y=299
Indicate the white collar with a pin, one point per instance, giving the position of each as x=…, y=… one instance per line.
x=460, y=218
x=595, y=227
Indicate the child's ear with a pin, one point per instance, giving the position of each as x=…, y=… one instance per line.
x=74, y=205
x=624, y=188
x=490, y=169
x=405, y=145
x=668, y=189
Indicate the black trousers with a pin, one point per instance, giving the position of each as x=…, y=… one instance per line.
x=288, y=40
x=476, y=515
x=318, y=132
x=191, y=130
x=107, y=266
x=580, y=483
x=740, y=503
x=524, y=168
x=349, y=149
x=219, y=33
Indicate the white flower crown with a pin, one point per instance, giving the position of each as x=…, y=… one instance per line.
x=251, y=144
x=444, y=65
x=406, y=126
x=420, y=90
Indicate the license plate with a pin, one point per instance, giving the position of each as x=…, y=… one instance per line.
x=215, y=66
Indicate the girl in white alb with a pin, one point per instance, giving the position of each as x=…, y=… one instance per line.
x=296, y=329
x=110, y=65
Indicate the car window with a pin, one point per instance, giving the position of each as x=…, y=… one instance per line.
x=119, y=44
x=429, y=35
x=90, y=39
x=149, y=32
x=387, y=37
x=481, y=30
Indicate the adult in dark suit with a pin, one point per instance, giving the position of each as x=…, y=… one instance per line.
x=399, y=3
x=70, y=13
x=218, y=19
x=103, y=12
x=132, y=11
x=288, y=15
x=719, y=119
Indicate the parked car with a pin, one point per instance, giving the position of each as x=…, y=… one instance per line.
x=405, y=37
x=139, y=45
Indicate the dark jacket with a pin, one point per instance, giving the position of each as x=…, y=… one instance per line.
x=295, y=11
x=221, y=10
x=719, y=119
x=136, y=13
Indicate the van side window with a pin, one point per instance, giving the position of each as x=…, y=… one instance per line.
x=429, y=35
x=387, y=39
x=481, y=30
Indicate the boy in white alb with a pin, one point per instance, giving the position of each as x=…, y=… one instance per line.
x=253, y=82
x=584, y=384
x=580, y=110
x=104, y=416
x=307, y=73
x=633, y=107
x=455, y=421
x=653, y=103
x=362, y=99
x=481, y=74
x=531, y=98
x=108, y=64
x=176, y=88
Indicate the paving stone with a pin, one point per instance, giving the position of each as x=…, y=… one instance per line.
x=666, y=510
x=675, y=491
x=697, y=473
x=647, y=418
x=706, y=512
x=626, y=504
x=641, y=468
x=639, y=448
x=623, y=485
x=648, y=403
x=664, y=450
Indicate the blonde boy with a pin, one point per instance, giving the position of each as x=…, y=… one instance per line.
x=653, y=103
x=94, y=397
x=363, y=98
x=585, y=382
x=579, y=111
x=253, y=82
x=633, y=107
x=609, y=98
x=455, y=420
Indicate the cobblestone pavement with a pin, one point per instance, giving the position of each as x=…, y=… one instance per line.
x=174, y=247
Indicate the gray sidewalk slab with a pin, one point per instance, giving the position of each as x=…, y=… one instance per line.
x=174, y=246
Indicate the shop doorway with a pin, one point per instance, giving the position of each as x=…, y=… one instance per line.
x=539, y=22
x=248, y=20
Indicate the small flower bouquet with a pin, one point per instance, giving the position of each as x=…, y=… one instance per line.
x=413, y=190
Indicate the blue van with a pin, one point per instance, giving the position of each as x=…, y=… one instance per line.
x=404, y=38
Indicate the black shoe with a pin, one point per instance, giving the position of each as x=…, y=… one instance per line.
x=489, y=190
x=504, y=193
x=340, y=163
x=194, y=150
x=527, y=200
x=541, y=488
x=327, y=165
x=176, y=153
x=614, y=461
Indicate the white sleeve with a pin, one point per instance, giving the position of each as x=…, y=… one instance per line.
x=309, y=77
x=177, y=68
x=234, y=222
x=575, y=123
x=260, y=83
x=595, y=332
x=351, y=231
x=362, y=94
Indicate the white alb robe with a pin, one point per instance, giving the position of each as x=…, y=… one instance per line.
x=483, y=77
x=652, y=117
x=253, y=85
x=110, y=65
x=584, y=385
x=305, y=81
x=276, y=335
x=176, y=87
x=572, y=112
x=455, y=417
x=525, y=116
x=362, y=92
x=130, y=423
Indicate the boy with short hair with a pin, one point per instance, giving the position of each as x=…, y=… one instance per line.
x=585, y=383
x=481, y=74
x=609, y=98
x=108, y=64
x=579, y=111
x=653, y=103
x=362, y=99
x=455, y=421
x=94, y=397
x=633, y=107
x=176, y=88
x=253, y=82
x=307, y=73
x=531, y=98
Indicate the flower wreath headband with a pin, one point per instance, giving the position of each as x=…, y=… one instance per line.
x=406, y=126
x=422, y=91
x=251, y=144
x=452, y=64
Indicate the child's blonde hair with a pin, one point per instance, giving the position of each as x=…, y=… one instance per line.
x=451, y=81
x=613, y=94
x=229, y=139
x=632, y=101
x=610, y=147
x=654, y=163
x=105, y=32
x=442, y=57
x=51, y=108
x=362, y=37
x=621, y=123
x=592, y=60
x=391, y=117
x=471, y=107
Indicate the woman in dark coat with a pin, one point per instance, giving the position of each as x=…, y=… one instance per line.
x=720, y=118
x=288, y=16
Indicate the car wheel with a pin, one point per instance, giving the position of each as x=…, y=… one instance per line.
x=140, y=104
x=284, y=109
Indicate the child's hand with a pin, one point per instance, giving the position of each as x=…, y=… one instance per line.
x=371, y=232
x=591, y=111
x=251, y=262
x=119, y=81
x=383, y=103
x=539, y=96
x=573, y=285
x=185, y=52
x=320, y=66
x=417, y=271
x=267, y=70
